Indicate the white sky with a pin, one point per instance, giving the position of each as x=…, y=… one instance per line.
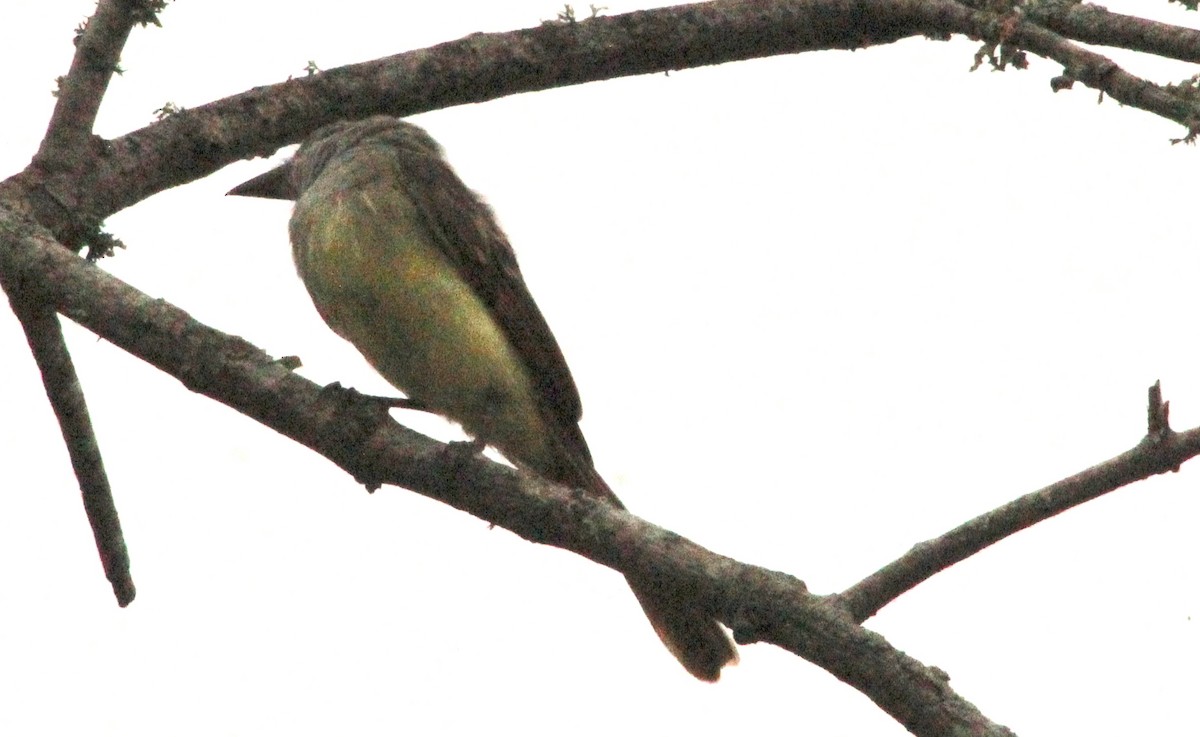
x=819, y=307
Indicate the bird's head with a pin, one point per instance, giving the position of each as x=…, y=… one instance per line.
x=327, y=144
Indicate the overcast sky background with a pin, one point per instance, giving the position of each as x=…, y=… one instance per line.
x=819, y=308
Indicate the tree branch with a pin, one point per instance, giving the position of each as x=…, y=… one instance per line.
x=94, y=178
x=98, y=45
x=1162, y=450
x=197, y=142
x=65, y=150
x=44, y=334
x=358, y=434
x=1095, y=24
x=1101, y=73
x=194, y=143
x=482, y=67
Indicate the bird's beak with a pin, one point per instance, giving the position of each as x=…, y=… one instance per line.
x=275, y=184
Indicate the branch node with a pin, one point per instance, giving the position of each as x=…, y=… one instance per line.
x=1158, y=414
x=1062, y=82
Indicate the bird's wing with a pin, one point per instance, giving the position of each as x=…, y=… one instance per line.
x=480, y=251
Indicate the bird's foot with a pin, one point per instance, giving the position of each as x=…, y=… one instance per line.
x=402, y=403
x=388, y=402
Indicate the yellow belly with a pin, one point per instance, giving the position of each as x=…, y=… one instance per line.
x=379, y=281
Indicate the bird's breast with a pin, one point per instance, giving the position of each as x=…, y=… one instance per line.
x=378, y=277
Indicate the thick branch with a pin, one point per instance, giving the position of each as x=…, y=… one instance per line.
x=197, y=142
x=483, y=67
x=358, y=435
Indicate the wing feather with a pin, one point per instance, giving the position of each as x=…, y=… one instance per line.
x=466, y=231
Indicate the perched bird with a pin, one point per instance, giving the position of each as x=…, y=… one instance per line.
x=410, y=266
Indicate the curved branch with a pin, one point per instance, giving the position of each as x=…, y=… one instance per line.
x=359, y=436
x=482, y=67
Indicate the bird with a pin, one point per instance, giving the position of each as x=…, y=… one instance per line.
x=411, y=267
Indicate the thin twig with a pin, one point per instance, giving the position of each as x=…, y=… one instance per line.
x=98, y=45
x=1094, y=24
x=1162, y=450
x=488, y=66
x=44, y=334
x=1101, y=73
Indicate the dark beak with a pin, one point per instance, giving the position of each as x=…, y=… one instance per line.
x=275, y=184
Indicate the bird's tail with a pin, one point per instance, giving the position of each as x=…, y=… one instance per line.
x=691, y=634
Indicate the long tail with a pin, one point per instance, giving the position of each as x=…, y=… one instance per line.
x=695, y=639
